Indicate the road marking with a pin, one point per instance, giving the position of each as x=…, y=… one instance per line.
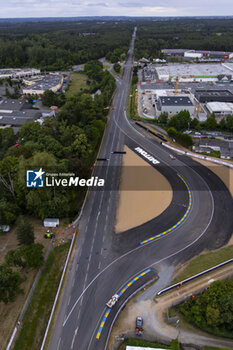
x=179, y=222
x=99, y=265
x=69, y=300
x=72, y=344
x=58, y=346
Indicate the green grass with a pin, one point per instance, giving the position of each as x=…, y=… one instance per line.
x=78, y=81
x=204, y=262
x=37, y=315
x=143, y=343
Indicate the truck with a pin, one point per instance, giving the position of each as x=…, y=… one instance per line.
x=112, y=301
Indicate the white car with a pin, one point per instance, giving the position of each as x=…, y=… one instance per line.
x=112, y=301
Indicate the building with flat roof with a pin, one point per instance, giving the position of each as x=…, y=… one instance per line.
x=40, y=84
x=220, y=108
x=213, y=95
x=18, y=72
x=173, y=105
x=200, y=53
x=14, y=113
x=195, y=72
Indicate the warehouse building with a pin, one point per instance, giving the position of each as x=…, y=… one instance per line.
x=220, y=108
x=196, y=72
x=173, y=105
x=213, y=95
x=40, y=84
x=18, y=73
x=198, y=53
x=14, y=113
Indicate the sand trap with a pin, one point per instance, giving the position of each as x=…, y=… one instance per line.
x=223, y=172
x=136, y=207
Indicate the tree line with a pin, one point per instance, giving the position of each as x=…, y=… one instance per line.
x=57, y=45
x=186, y=33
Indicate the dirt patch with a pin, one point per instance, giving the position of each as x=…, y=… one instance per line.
x=137, y=207
x=9, y=313
x=223, y=172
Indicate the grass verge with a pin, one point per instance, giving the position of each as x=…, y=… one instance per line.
x=37, y=315
x=204, y=262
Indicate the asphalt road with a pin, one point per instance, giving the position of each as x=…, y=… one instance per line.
x=103, y=263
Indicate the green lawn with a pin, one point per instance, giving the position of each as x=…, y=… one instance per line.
x=36, y=318
x=78, y=81
x=204, y=262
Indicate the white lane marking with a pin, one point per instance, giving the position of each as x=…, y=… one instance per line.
x=75, y=333
x=99, y=265
x=58, y=346
x=69, y=300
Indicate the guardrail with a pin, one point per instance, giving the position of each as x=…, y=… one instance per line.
x=193, y=277
x=198, y=156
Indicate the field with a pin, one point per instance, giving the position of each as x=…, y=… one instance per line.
x=204, y=262
x=78, y=82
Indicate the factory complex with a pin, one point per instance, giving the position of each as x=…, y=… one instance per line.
x=195, y=72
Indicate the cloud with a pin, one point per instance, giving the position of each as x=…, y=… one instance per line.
x=71, y=8
x=100, y=4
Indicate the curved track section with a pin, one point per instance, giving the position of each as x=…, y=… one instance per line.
x=102, y=264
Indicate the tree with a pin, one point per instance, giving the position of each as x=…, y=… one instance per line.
x=9, y=284
x=33, y=255
x=15, y=258
x=163, y=118
x=25, y=232
x=117, y=67
x=211, y=123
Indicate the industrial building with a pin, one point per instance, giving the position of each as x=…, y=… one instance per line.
x=195, y=72
x=18, y=73
x=213, y=95
x=220, y=108
x=173, y=105
x=198, y=53
x=38, y=85
x=14, y=113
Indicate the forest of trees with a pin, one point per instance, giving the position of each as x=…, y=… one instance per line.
x=212, y=311
x=67, y=143
x=57, y=45
x=186, y=33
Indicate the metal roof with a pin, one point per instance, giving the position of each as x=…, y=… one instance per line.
x=175, y=101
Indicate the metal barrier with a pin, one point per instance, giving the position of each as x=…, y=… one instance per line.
x=193, y=277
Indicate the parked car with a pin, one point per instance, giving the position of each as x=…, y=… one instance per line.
x=139, y=322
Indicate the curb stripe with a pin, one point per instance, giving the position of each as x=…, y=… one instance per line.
x=122, y=291
x=180, y=221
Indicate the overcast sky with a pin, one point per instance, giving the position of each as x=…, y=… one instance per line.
x=73, y=8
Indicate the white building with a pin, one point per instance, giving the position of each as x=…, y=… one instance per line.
x=220, y=108
x=18, y=73
x=193, y=54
